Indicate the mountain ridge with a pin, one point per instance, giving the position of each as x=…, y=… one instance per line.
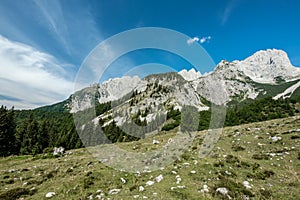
x=230, y=81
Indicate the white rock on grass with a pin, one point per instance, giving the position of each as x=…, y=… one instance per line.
x=114, y=191
x=141, y=189
x=205, y=189
x=247, y=184
x=179, y=187
x=123, y=180
x=149, y=183
x=155, y=142
x=222, y=190
x=58, y=151
x=50, y=194
x=159, y=178
x=193, y=172
x=275, y=138
x=136, y=196
x=178, y=179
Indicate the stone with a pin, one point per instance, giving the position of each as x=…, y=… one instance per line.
x=123, y=180
x=58, y=151
x=222, y=190
x=50, y=194
x=155, y=142
x=247, y=184
x=141, y=189
x=114, y=191
x=159, y=178
x=149, y=183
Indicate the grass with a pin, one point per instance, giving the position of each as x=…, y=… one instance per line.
x=243, y=153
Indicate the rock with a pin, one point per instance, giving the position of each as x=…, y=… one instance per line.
x=58, y=151
x=114, y=191
x=275, y=138
x=50, y=194
x=136, y=196
x=247, y=184
x=149, y=183
x=159, y=178
x=178, y=179
x=155, y=142
x=173, y=172
x=193, y=172
x=123, y=180
x=141, y=189
x=205, y=189
x=222, y=190
x=227, y=172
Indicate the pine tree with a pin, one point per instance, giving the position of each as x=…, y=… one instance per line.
x=7, y=132
x=28, y=135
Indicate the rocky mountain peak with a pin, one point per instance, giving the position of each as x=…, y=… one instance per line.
x=269, y=57
x=190, y=75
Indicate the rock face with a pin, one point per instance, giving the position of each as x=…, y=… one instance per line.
x=267, y=66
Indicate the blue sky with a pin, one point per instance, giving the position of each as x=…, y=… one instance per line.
x=43, y=43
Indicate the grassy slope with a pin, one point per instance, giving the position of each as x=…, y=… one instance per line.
x=237, y=157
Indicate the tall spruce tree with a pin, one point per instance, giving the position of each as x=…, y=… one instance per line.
x=7, y=131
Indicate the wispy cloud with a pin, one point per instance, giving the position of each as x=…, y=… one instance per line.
x=197, y=39
x=65, y=30
x=228, y=10
x=30, y=78
x=54, y=19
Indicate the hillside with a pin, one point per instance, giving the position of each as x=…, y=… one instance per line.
x=252, y=161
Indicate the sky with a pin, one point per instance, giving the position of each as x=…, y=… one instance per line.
x=44, y=43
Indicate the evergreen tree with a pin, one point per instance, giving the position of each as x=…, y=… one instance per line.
x=7, y=132
x=28, y=135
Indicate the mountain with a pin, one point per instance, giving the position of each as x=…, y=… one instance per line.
x=148, y=102
x=266, y=73
x=110, y=90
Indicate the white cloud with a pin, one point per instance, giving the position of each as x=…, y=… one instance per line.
x=197, y=39
x=205, y=39
x=30, y=78
x=192, y=40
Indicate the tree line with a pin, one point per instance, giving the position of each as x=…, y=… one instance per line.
x=35, y=131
